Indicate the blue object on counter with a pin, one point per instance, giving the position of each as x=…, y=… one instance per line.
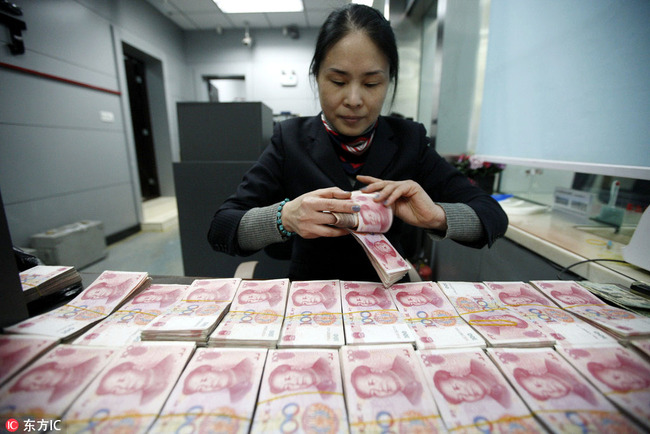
x=500, y=197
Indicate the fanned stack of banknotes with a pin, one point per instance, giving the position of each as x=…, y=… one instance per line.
x=367, y=227
x=238, y=356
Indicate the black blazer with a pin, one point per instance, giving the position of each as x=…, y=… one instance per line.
x=301, y=158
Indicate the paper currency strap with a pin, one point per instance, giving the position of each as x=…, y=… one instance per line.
x=461, y=369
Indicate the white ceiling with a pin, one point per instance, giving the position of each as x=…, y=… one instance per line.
x=205, y=15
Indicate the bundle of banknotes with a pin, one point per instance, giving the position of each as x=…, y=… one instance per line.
x=301, y=391
x=255, y=317
x=574, y=298
x=535, y=307
x=123, y=326
x=371, y=317
x=43, y=280
x=367, y=227
x=432, y=317
x=17, y=351
x=313, y=316
x=196, y=314
x=498, y=324
x=216, y=392
x=52, y=383
x=560, y=396
x=95, y=303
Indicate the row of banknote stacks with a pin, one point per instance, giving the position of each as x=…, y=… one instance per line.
x=232, y=355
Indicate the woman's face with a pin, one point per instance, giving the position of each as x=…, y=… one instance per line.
x=352, y=84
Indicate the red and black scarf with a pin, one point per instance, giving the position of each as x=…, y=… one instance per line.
x=351, y=150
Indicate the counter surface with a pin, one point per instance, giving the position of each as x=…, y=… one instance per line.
x=555, y=236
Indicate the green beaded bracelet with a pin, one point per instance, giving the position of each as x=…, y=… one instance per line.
x=283, y=231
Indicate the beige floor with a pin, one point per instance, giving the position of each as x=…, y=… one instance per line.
x=156, y=249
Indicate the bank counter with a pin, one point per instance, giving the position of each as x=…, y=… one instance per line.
x=138, y=353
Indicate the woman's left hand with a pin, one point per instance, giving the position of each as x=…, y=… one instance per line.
x=409, y=201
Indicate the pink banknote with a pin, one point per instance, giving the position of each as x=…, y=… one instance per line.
x=313, y=316
x=383, y=254
x=642, y=345
x=16, y=351
x=370, y=316
x=42, y=280
x=374, y=216
x=619, y=373
x=472, y=394
x=94, y=303
x=47, y=387
x=196, y=315
x=123, y=326
x=301, y=391
x=578, y=300
x=432, y=317
x=499, y=325
x=130, y=392
x=558, y=394
x=255, y=316
x=216, y=392
x=532, y=305
x=386, y=391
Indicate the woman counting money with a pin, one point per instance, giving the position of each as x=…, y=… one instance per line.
x=313, y=163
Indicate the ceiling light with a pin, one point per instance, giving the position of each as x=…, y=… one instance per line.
x=258, y=6
x=363, y=2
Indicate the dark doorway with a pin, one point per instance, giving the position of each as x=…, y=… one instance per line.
x=141, y=119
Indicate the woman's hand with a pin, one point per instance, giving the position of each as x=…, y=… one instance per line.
x=310, y=215
x=409, y=201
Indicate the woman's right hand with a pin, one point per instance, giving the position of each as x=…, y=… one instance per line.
x=310, y=215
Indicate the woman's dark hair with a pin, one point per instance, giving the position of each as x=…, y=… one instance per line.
x=351, y=18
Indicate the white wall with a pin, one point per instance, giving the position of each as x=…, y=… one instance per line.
x=59, y=163
x=210, y=54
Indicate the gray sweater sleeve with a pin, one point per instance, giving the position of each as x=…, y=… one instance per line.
x=258, y=228
x=462, y=223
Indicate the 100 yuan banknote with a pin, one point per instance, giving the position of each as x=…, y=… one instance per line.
x=216, y=392
x=472, y=394
x=370, y=316
x=255, y=316
x=432, y=317
x=301, y=391
x=386, y=391
x=313, y=316
x=46, y=388
x=619, y=373
x=566, y=328
x=196, y=314
x=130, y=392
x=558, y=394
